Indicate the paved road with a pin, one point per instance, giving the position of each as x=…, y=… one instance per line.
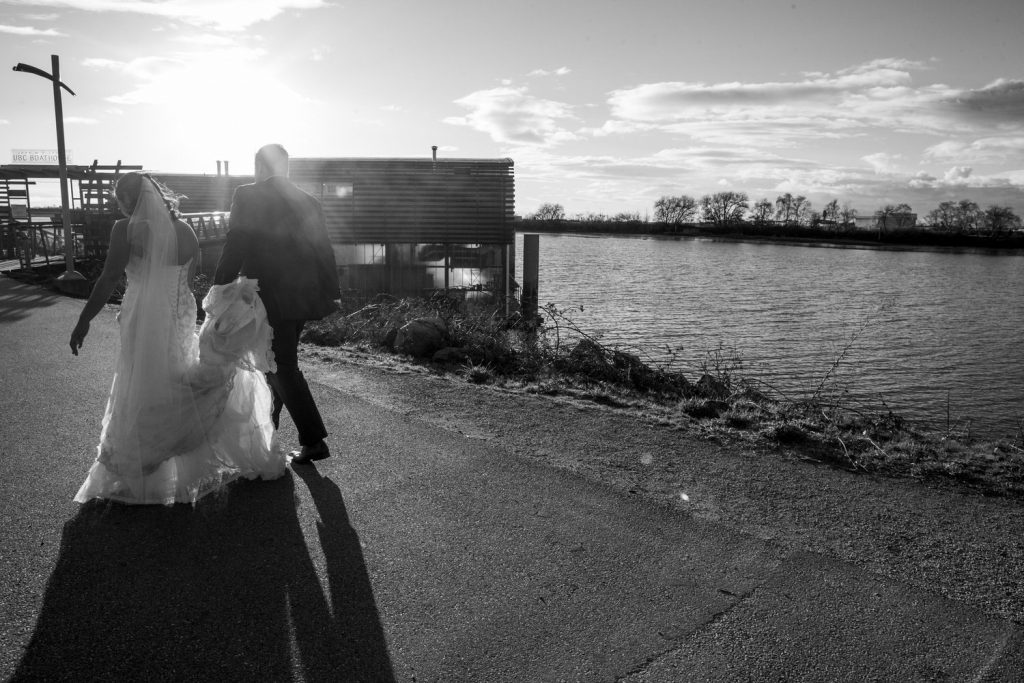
x=417, y=554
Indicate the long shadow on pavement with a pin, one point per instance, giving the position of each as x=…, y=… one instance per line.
x=227, y=590
x=17, y=300
x=356, y=619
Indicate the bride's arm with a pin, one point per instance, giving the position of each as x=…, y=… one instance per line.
x=113, y=269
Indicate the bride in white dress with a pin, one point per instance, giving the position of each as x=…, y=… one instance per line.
x=187, y=411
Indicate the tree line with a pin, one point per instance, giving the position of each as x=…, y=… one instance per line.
x=731, y=208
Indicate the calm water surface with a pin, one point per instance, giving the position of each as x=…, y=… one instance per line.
x=929, y=332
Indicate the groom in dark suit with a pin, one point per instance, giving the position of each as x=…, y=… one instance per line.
x=277, y=235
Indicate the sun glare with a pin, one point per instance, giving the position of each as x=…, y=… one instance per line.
x=221, y=104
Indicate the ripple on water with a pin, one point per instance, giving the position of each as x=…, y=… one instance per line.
x=923, y=327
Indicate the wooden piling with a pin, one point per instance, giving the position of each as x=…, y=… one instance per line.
x=531, y=275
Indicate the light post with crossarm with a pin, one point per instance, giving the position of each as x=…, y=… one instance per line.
x=69, y=242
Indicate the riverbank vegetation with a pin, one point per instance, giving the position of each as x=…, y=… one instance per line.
x=731, y=215
x=550, y=355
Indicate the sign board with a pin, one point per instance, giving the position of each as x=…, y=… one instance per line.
x=38, y=156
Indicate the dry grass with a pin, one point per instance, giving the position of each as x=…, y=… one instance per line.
x=551, y=356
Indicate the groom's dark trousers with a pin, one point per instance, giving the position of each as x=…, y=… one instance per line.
x=277, y=236
x=289, y=385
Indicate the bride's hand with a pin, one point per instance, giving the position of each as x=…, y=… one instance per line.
x=78, y=336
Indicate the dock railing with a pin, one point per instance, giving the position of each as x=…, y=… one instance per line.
x=209, y=226
x=34, y=243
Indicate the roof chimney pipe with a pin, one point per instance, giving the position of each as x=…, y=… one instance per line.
x=226, y=168
x=433, y=148
x=218, y=167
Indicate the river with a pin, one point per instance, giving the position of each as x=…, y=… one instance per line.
x=935, y=336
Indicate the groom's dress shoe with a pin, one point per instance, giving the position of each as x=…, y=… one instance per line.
x=308, y=454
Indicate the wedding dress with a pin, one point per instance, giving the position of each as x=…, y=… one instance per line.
x=187, y=412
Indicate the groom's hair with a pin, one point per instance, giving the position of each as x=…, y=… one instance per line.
x=274, y=157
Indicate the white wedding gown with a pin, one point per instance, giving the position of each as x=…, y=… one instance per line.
x=187, y=412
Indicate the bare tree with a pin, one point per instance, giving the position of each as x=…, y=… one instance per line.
x=761, y=212
x=830, y=214
x=905, y=217
x=882, y=217
x=790, y=209
x=847, y=215
x=897, y=215
x=945, y=216
x=801, y=209
x=784, y=208
x=999, y=219
x=968, y=216
x=681, y=209
x=549, y=212
x=628, y=217
x=724, y=208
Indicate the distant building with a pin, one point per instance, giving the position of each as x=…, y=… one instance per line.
x=889, y=223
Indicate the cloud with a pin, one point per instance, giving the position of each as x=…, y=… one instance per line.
x=81, y=120
x=964, y=177
x=877, y=95
x=619, y=127
x=205, y=39
x=30, y=31
x=560, y=71
x=232, y=77
x=1001, y=101
x=883, y=162
x=678, y=101
x=147, y=69
x=988, y=149
x=511, y=115
x=320, y=53
x=958, y=173
x=229, y=15
x=694, y=171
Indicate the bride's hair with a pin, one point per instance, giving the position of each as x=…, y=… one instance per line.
x=130, y=185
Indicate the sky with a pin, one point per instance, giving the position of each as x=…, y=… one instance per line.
x=603, y=105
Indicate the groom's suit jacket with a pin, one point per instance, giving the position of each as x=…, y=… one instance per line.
x=276, y=234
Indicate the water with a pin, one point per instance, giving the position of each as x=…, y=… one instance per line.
x=935, y=336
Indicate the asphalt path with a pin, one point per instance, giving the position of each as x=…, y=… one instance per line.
x=416, y=553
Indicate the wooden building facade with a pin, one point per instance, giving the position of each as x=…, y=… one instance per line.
x=402, y=226
x=398, y=226
x=413, y=226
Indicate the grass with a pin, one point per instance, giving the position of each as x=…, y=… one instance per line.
x=550, y=355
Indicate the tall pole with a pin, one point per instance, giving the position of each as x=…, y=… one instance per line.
x=62, y=168
x=69, y=239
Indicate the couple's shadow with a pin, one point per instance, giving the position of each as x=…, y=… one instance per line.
x=227, y=590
